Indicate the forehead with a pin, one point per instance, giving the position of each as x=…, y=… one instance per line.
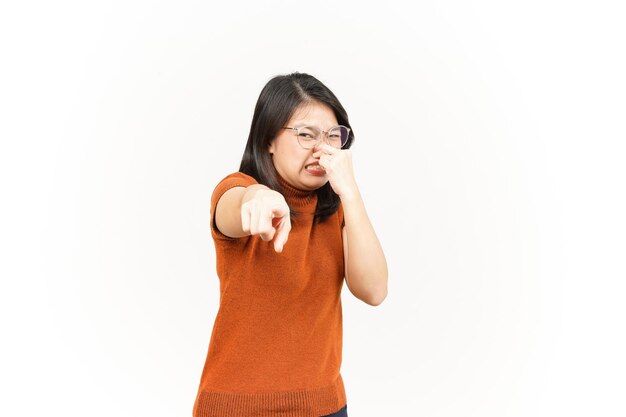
x=314, y=114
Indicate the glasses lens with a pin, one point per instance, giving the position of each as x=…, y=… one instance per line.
x=338, y=136
x=307, y=136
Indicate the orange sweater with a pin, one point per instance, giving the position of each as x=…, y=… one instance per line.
x=276, y=344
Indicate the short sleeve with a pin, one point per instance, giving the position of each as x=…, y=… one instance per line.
x=237, y=179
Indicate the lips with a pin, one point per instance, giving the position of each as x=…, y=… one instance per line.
x=315, y=169
x=314, y=166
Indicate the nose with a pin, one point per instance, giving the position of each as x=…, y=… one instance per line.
x=322, y=138
x=317, y=148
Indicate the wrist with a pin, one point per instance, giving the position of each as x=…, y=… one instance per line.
x=350, y=196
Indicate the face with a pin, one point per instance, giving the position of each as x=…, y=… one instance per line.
x=291, y=160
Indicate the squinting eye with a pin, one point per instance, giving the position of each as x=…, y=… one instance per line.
x=306, y=135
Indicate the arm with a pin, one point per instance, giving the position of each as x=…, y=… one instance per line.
x=365, y=263
x=364, y=260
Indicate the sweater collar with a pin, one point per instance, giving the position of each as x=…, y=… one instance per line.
x=302, y=200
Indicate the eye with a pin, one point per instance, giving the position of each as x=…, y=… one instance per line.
x=308, y=133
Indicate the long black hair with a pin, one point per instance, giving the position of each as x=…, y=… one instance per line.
x=278, y=101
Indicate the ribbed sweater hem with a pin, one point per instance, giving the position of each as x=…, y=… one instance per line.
x=304, y=403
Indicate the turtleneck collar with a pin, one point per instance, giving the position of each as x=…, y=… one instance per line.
x=302, y=200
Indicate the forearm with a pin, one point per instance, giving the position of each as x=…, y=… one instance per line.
x=367, y=267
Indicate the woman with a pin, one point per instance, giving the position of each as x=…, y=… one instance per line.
x=283, y=248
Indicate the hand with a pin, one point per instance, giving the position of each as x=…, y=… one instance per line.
x=267, y=215
x=338, y=166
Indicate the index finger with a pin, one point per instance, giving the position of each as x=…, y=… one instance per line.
x=330, y=149
x=282, y=233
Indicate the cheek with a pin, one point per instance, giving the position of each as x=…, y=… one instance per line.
x=293, y=158
x=294, y=163
x=289, y=161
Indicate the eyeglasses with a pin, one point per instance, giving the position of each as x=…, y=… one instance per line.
x=308, y=136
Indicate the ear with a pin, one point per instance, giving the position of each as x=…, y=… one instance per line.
x=271, y=148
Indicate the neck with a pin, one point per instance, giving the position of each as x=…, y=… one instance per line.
x=299, y=199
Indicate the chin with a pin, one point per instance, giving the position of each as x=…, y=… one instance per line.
x=317, y=184
x=313, y=183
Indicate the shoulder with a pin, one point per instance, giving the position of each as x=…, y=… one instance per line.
x=236, y=179
x=239, y=177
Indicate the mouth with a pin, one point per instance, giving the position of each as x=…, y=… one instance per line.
x=315, y=169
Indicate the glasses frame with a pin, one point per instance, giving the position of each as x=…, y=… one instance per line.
x=323, y=134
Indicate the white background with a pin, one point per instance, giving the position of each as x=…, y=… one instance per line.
x=489, y=152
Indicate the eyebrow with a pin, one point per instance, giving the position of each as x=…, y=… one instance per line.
x=310, y=125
